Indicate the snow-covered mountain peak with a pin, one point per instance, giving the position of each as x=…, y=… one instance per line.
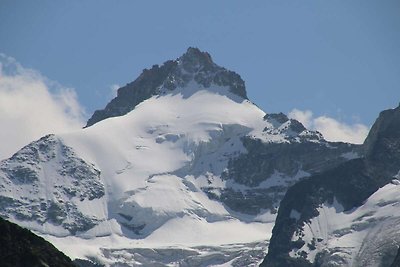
x=191, y=72
x=179, y=161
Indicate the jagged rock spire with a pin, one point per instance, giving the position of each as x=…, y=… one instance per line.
x=194, y=60
x=194, y=65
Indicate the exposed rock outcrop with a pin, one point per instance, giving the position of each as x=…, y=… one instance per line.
x=350, y=185
x=21, y=248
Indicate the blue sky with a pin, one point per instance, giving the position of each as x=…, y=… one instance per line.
x=339, y=59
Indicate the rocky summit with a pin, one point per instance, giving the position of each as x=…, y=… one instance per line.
x=194, y=65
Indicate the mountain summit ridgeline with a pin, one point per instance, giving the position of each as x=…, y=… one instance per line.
x=193, y=66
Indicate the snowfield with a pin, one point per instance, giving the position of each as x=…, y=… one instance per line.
x=142, y=157
x=358, y=236
x=150, y=166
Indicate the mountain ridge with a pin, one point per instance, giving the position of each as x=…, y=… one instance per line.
x=172, y=74
x=347, y=188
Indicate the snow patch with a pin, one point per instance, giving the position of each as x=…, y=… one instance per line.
x=357, y=237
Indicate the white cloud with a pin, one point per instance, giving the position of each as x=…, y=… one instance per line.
x=32, y=106
x=114, y=89
x=331, y=129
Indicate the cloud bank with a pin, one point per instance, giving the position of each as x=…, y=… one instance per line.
x=32, y=106
x=331, y=129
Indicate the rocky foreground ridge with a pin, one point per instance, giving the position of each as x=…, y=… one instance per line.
x=20, y=248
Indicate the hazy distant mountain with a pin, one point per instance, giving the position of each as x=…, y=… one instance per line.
x=179, y=169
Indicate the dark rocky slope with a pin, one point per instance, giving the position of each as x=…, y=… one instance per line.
x=351, y=183
x=396, y=262
x=193, y=65
x=20, y=247
x=263, y=160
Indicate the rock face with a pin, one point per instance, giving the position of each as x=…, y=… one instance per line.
x=193, y=65
x=21, y=248
x=382, y=146
x=396, y=262
x=45, y=183
x=264, y=168
x=345, y=216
